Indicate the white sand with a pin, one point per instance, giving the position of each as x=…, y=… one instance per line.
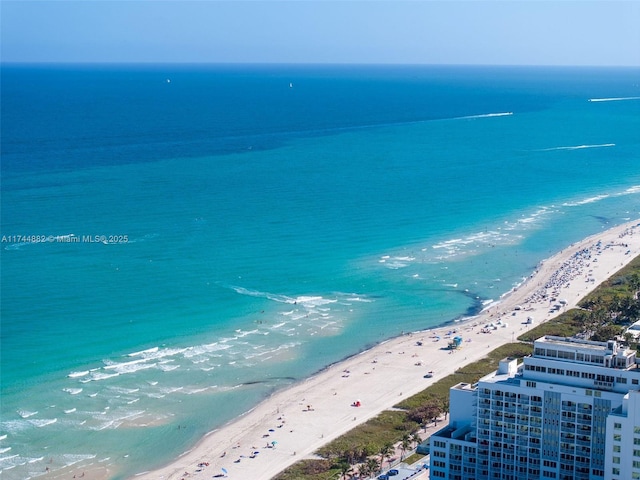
x=386, y=374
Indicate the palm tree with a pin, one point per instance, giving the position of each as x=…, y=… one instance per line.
x=345, y=469
x=405, y=444
x=634, y=283
x=372, y=465
x=385, y=452
x=445, y=407
x=415, y=439
x=363, y=470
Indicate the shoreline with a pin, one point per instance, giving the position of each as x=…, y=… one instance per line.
x=291, y=424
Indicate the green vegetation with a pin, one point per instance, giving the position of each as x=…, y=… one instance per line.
x=600, y=316
x=373, y=440
x=411, y=459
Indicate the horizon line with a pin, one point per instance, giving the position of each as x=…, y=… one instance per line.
x=267, y=63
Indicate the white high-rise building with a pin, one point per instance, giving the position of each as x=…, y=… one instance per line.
x=569, y=411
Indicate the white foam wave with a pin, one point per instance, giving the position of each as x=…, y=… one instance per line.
x=259, y=294
x=613, y=99
x=396, y=262
x=489, y=115
x=115, y=419
x=144, y=352
x=3, y=437
x=71, y=459
x=312, y=300
x=78, y=374
x=70, y=410
x=473, y=241
x=3, y=459
x=630, y=191
x=124, y=390
x=4, y=450
x=193, y=391
x=72, y=391
x=585, y=201
x=97, y=376
x=578, y=147
x=358, y=299
x=241, y=333
x=37, y=422
x=26, y=413
x=142, y=360
x=168, y=368
x=169, y=390
x=199, y=350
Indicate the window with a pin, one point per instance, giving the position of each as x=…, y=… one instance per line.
x=616, y=460
x=615, y=471
x=617, y=426
x=616, y=448
x=617, y=437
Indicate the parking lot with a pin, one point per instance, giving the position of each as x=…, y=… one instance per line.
x=405, y=474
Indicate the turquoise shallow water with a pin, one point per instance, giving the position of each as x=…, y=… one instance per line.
x=270, y=230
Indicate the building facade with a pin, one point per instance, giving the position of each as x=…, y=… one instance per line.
x=569, y=411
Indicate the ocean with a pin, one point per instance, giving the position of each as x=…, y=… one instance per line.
x=180, y=241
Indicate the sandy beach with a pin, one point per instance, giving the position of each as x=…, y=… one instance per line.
x=293, y=423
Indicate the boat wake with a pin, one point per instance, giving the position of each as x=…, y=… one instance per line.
x=613, y=99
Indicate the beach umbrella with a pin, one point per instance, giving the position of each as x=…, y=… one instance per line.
x=274, y=443
x=224, y=470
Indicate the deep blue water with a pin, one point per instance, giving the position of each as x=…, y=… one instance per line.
x=277, y=219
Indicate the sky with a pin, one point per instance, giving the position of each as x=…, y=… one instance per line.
x=515, y=32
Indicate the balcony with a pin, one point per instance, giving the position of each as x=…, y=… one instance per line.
x=583, y=443
x=603, y=385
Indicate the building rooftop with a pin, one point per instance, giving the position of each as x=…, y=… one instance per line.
x=571, y=342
